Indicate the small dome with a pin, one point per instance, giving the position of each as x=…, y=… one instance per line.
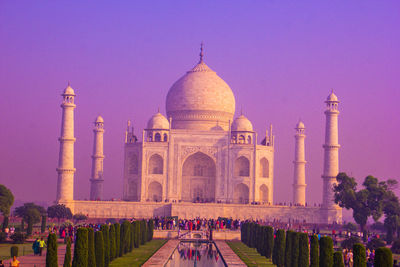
x=332, y=97
x=300, y=125
x=242, y=123
x=99, y=119
x=158, y=121
x=69, y=90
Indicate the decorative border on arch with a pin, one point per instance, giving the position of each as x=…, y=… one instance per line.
x=186, y=151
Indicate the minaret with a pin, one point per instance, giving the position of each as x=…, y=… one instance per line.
x=331, y=152
x=299, y=178
x=66, y=170
x=96, y=182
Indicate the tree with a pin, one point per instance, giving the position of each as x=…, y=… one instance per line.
x=99, y=248
x=269, y=242
x=79, y=217
x=137, y=234
x=338, y=259
x=51, y=254
x=278, y=257
x=112, y=242
x=383, y=257
x=30, y=213
x=67, y=258
x=106, y=240
x=117, y=239
x=81, y=248
x=326, y=252
x=303, y=250
x=150, y=228
x=91, y=250
x=349, y=242
x=43, y=225
x=359, y=255
x=288, y=248
x=125, y=236
x=6, y=201
x=143, y=232
x=295, y=249
x=132, y=237
x=59, y=211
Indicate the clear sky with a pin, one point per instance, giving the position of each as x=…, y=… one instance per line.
x=281, y=59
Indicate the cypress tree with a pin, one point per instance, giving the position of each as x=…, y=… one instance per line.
x=112, y=242
x=106, y=240
x=91, y=252
x=338, y=259
x=359, y=255
x=278, y=257
x=81, y=248
x=150, y=230
x=263, y=239
x=326, y=252
x=314, y=251
x=137, y=234
x=303, y=250
x=99, y=249
x=125, y=236
x=295, y=249
x=143, y=232
x=132, y=237
x=269, y=244
x=383, y=257
x=67, y=258
x=43, y=225
x=288, y=248
x=51, y=254
x=117, y=239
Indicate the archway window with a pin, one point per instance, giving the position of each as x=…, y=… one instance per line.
x=233, y=139
x=264, y=194
x=133, y=163
x=154, y=192
x=156, y=164
x=242, y=166
x=241, y=194
x=157, y=137
x=165, y=137
x=241, y=139
x=249, y=139
x=264, y=168
x=133, y=190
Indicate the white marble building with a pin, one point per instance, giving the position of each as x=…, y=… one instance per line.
x=201, y=158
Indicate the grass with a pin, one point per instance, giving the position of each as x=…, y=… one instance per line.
x=23, y=249
x=139, y=255
x=249, y=256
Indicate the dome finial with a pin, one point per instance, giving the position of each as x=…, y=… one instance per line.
x=201, y=52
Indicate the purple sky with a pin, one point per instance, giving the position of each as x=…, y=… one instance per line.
x=281, y=59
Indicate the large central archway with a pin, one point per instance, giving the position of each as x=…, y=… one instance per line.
x=198, y=178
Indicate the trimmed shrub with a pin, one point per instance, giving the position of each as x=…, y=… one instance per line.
x=349, y=242
x=106, y=238
x=14, y=251
x=125, y=236
x=51, y=254
x=295, y=249
x=18, y=238
x=91, y=251
x=278, y=256
x=67, y=258
x=375, y=243
x=143, y=232
x=269, y=241
x=338, y=259
x=132, y=237
x=112, y=242
x=117, y=239
x=99, y=249
x=137, y=234
x=81, y=248
x=303, y=250
x=383, y=257
x=43, y=225
x=314, y=251
x=150, y=229
x=359, y=255
x=288, y=248
x=326, y=252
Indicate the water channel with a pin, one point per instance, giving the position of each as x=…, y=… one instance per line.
x=198, y=253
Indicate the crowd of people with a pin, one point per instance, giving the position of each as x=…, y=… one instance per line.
x=173, y=223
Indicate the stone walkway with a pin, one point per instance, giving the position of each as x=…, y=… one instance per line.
x=162, y=255
x=39, y=261
x=229, y=256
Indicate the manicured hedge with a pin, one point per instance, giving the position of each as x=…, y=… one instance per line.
x=112, y=242
x=81, y=248
x=295, y=249
x=359, y=255
x=51, y=254
x=68, y=257
x=91, y=251
x=338, y=259
x=106, y=239
x=99, y=249
x=326, y=252
x=117, y=239
x=288, y=248
x=383, y=257
x=278, y=256
x=269, y=241
x=304, y=251
x=314, y=251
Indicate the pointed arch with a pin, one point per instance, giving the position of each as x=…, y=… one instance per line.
x=264, y=167
x=242, y=166
x=264, y=194
x=156, y=164
x=157, y=137
x=133, y=163
x=154, y=193
x=241, y=194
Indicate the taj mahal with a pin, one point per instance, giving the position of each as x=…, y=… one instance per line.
x=199, y=160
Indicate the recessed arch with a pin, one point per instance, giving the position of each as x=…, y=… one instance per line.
x=241, y=139
x=264, y=194
x=133, y=194
x=264, y=167
x=242, y=166
x=198, y=178
x=157, y=137
x=154, y=192
x=133, y=163
x=241, y=194
x=156, y=164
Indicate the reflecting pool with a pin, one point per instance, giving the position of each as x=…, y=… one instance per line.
x=195, y=253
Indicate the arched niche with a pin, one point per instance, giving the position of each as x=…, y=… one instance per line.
x=264, y=167
x=241, y=194
x=156, y=164
x=242, y=166
x=264, y=194
x=133, y=164
x=154, y=192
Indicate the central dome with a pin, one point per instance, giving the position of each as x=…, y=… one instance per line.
x=200, y=100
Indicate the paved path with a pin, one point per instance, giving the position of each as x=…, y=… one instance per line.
x=229, y=256
x=162, y=255
x=39, y=261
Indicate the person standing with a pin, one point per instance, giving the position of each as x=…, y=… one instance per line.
x=42, y=244
x=14, y=262
x=35, y=247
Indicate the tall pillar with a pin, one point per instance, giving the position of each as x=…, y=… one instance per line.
x=299, y=177
x=96, y=181
x=331, y=152
x=66, y=170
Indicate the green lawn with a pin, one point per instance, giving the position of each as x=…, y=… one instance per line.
x=249, y=256
x=139, y=255
x=23, y=249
